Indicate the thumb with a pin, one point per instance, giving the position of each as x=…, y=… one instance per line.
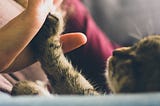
x=71, y=41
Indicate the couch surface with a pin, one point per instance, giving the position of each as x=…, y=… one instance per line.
x=148, y=99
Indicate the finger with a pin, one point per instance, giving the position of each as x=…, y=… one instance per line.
x=57, y=3
x=71, y=41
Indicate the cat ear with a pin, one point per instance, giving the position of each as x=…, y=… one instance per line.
x=124, y=52
x=120, y=51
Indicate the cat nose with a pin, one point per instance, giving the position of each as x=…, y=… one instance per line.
x=120, y=51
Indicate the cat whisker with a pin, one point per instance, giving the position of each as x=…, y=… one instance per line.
x=150, y=27
x=136, y=36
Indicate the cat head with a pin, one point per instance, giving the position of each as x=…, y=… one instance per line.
x=135, y=68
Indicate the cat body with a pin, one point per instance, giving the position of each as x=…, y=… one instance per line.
x=130, y=69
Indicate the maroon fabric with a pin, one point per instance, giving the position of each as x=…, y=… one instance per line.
x=91, y=58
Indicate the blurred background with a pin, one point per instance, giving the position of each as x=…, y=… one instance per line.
x=126, y=21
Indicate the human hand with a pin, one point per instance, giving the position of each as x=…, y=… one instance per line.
x=40, y=5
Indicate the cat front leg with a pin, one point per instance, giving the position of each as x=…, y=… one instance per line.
x=64, y=78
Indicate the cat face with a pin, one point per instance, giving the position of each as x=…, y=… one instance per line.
x=135, y=68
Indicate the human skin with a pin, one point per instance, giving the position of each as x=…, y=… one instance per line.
x=17, y=33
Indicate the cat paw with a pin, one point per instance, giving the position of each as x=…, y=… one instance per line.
x=30, y=88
